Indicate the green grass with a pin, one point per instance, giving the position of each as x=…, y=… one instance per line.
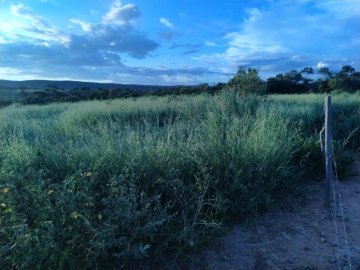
x=115, y=184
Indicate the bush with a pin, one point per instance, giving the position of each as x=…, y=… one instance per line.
x=247, y=81
x=123, y=183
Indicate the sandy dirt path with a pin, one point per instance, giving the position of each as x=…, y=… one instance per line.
x=301, y=238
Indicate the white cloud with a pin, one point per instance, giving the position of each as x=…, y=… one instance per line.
x=38, y=48
x=322, y=64
x=9, y=71
x=210, y=43
x=121, y=14
x=85, y=26
x=245, y=43
x=271, y=35
x=18, y=10
x=101, y=44
x=179, y=79
x=166, y=22
x=9, y=27
x=276, y=37
x=3, y=41
x=252, y=39
x=35, y=27
x=341, y=9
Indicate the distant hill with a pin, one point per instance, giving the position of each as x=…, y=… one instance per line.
x=66, y=85
x=47, y=91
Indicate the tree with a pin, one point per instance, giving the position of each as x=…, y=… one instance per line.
x=293, y=77
x=247, y=81
x=321, y=85
x=347, y=71
x=290, y=82
x=326, y=71
x=347, y=79
x=307, y=70
x=203, y=87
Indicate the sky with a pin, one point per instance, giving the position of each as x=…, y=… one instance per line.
x=173, y=42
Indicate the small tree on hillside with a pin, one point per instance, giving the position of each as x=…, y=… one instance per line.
x=247, y=81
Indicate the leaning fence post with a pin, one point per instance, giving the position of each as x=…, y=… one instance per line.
x=328, y=149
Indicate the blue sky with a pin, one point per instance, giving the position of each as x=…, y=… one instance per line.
x=170, y=42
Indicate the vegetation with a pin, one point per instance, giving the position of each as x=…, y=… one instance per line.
x=307, y=81
x=246, y=81
x=114, y=184
x=54, y=94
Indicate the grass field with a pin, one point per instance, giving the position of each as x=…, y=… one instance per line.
x=110, y=184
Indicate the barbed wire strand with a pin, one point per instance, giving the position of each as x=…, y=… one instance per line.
x=342, y=213
x=333, y=204
x=336, y=229
x=336, y=250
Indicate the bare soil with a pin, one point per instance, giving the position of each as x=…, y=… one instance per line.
x=302, y=237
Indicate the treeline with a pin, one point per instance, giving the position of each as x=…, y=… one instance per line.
x=317, y=81
x=54, y=94
x=246, y=81
x=308, y=80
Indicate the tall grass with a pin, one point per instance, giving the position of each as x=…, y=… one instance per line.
x=111, y=184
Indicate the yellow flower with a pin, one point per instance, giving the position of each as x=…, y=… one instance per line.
x=74, y=215
x=51, y=191
x=89, y=174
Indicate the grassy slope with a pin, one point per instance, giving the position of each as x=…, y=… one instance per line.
x=110, y=183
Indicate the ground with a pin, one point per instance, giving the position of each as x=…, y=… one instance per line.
x=301, y=237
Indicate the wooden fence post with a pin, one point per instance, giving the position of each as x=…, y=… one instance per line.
x=328, y=149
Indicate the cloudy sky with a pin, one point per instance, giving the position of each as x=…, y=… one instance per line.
x=171, y=42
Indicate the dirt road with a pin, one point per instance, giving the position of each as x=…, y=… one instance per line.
x=301, y=238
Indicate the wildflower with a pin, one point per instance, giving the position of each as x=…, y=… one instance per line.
x=74, y=215
x=5, y=190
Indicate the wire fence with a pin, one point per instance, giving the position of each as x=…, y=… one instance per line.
x=334, y=196
x=343, y=256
